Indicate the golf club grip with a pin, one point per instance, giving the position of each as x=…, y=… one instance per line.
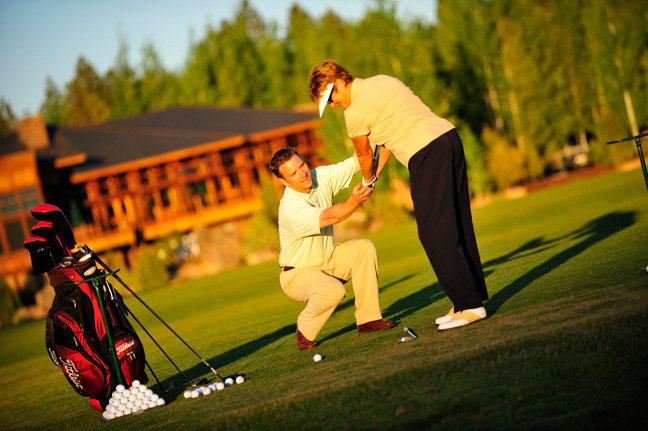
x=101, y=262
x=374, y=161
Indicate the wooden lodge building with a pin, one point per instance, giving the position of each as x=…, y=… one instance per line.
x=141, y=178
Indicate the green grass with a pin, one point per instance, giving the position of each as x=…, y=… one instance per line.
x=564, y=346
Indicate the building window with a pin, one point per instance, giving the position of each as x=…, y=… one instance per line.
x=30, y=198
x=9, y=204
x=15, y=234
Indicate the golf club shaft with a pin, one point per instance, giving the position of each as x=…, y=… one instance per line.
x=153, y=312
x=158, y=346
x=158, y=380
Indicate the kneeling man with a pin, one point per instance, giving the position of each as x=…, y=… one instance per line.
x=313, y=269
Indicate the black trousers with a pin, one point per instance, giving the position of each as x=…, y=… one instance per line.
x=439, y=188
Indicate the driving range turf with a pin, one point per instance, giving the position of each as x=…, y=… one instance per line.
x=564, y=345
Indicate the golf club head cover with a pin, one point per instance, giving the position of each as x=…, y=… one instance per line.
x=54, y=215
x=45, y=229
x=40, y=254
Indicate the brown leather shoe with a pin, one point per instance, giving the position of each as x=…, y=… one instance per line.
x=304, y=343
x=375, y=325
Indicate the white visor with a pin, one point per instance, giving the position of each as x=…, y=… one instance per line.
x=324, y=97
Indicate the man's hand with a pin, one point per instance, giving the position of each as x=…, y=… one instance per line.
x=360, y=194
x=343, y=210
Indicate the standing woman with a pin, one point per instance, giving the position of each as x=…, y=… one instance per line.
x=381, y=110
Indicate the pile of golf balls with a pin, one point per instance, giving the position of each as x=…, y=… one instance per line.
x=219, y=386
x=132, y=400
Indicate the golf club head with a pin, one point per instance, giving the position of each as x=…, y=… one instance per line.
x=410, y=332
x=40, y=254
x=45, y=229
x=54, y=215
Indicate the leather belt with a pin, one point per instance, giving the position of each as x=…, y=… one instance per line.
x=287, y=268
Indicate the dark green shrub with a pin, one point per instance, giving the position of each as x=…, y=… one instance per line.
x=9, y=304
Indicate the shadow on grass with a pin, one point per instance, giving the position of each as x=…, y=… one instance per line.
x=250, y=347
x=592, y=232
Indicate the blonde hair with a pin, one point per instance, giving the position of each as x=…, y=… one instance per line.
x=324, y=74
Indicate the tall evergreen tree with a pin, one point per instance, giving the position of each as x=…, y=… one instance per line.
x=7, y=118
x=86, y=98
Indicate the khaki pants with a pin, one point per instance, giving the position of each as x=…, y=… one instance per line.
x=320, y=287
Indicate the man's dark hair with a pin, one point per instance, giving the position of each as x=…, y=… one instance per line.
x=281, y=157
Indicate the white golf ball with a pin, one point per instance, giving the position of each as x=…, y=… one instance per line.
x=110, y=408
x=155, y=397
x=142, y=388
x=229, y=381
x=120, y=388
x=317, y=357
x=127, y=411
x=130, y=405
x=220, y=386
x=152, y=404
x=149, y=393
x=106, y=414
x=206, y=391
x=160, y=402
x=117, y=395
x=187, y=394
x=135, y=383
x=119, y=413
x=136, y=409
x=195, y=394
x=239, y=380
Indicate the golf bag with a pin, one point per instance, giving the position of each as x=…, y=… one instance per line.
x=87, y=333
x=77, y=336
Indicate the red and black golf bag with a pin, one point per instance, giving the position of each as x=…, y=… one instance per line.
x=87, y=333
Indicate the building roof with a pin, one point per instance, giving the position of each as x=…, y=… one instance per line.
x=9, y=144
x=156, y=133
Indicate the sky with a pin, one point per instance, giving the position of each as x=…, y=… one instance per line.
x=44, y=38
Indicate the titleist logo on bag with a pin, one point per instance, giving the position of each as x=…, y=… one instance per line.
x=125, y=346
x=72, y=372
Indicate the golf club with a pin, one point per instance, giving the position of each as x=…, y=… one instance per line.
x=410, y=332
x=45, y=230
x=54, y=215
x=198, y=383
x=167, y=390
x=40, y=254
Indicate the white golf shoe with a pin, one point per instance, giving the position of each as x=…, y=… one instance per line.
x=463, y=318
x=445, y=318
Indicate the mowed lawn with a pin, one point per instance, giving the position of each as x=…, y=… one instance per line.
x=564, y=345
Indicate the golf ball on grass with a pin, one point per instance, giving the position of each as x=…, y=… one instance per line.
x=229, y=381
x=220, y=386
x=239, y=380
x=317, y=357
